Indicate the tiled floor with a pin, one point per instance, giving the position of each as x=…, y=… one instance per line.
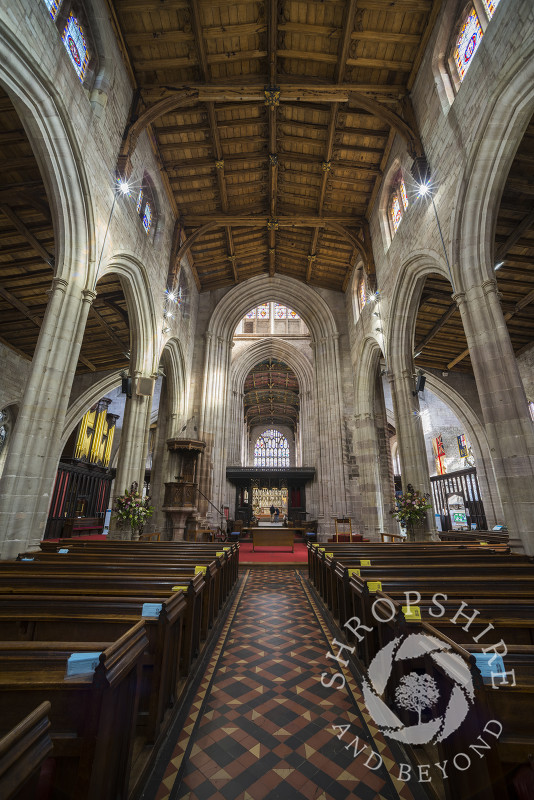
x=260, y=725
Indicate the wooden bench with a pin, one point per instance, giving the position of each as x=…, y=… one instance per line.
x=92, y=716
x=86, y=598
x=23, y=750
x=497, y=584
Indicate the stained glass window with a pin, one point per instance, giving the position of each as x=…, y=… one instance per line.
x=147, y=217
x=263, y=311
x=490, y=6
x=251, y=314
x=53, y=7
x=531, y=408
x=292, y=314
x=280, y=312
x=139, y=201
x=271, y=449
x=76, y=46
x=395, y=211
x=467, y=43
x=402, y=191
x=362, y=294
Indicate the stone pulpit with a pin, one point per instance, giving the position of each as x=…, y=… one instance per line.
x=180, y=502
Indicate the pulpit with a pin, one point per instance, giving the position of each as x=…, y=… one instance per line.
x=180, y=500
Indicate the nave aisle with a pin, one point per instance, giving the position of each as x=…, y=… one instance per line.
x=259, y=727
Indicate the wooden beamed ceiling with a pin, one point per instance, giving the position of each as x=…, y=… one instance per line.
x=273, y=110
x=271, y=395
x=27, y=260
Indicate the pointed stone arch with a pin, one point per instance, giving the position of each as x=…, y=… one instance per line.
x=144, y=333
x=47, y=124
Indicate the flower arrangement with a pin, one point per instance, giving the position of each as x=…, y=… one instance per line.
x=133, y=509
x=411, y=507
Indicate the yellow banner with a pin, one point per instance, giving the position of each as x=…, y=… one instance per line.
x=364, y=562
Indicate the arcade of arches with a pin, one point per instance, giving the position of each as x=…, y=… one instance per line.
x=266, y=253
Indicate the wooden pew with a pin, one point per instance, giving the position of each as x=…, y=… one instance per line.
x=47, y=618
x=30, y=578
x=23, y=750
x=498, y=585
x=92, y=716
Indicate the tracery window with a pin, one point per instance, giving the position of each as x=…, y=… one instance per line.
x=467, y=43
x=3, y=429
x=263, y=311
x=271, y=449
x=53, y=7
x=531, y=409
x=147, y=217
x=362, y=293
x=76, y=46
x=490, y=6
x=398, y=202
x=145, y=205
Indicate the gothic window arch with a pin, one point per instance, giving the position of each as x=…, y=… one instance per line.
x=361, y=292
x=467, y=33
x=271, y=449
x=53, y=7
x=146, y=205
x=397, y=202
x=73, y=27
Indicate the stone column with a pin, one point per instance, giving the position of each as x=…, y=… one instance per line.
x=504, y=408
x=332, y=478
x=133, y=449
x=410, y=438
x=31, y=464
x=160, y=461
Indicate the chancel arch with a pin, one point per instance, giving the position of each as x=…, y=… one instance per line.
x=333, y=495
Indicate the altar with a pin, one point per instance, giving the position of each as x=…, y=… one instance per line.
x=273, y=537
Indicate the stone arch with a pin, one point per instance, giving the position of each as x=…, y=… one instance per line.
x=479, y=192
x=332, y=492
x=372, y=441
x=367, y=361
x=142, y=315
x=281, y=289
x=302, y=367
x=60, y=161
x=265, y=348
x=406, y=296
x=86, y=400
x=172, y=359
x=478, y=438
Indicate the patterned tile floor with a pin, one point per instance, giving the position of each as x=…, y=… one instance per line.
x=260, y=725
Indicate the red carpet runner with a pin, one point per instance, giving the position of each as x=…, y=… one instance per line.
x=260, y=725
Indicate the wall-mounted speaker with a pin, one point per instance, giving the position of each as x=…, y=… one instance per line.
x=420, y=383
x=126, y=386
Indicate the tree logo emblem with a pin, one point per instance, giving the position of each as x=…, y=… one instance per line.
x=417, y=692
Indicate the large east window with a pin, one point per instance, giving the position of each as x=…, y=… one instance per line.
x=271, y=449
